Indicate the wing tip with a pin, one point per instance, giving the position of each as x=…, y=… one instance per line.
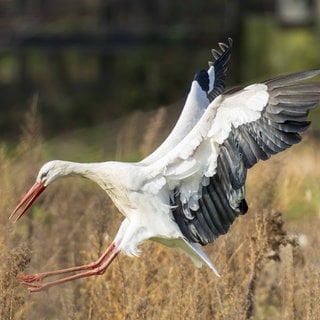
x=291, y=78
x=224, y=49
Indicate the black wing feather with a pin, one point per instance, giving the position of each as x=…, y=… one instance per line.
x=220, y=69
x=278, y=128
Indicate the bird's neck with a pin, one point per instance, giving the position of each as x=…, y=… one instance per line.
x=95, y=171
x=100, y=172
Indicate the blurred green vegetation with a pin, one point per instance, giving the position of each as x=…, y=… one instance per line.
x=271, y=50
x=91, y=62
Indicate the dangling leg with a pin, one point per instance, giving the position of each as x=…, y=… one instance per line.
x=95, y=268
x=30, y=278
x=98, y=270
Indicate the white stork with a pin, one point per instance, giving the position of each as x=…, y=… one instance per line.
x=190, y=190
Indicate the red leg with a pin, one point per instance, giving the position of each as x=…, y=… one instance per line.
x=100, y=269
x=29, y=279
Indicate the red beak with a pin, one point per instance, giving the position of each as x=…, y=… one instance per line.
x=28, y=200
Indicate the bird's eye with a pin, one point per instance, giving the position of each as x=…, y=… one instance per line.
x=43, y=175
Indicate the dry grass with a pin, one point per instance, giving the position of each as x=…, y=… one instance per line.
x=269, y=267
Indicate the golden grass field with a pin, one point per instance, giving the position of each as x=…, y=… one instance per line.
x=269, y=261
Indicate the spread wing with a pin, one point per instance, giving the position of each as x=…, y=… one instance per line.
x=204, y=88
x=205, y=173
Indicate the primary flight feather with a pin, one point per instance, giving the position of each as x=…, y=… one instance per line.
x=190, y=190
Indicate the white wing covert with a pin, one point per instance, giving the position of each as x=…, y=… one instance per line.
x=206, y=172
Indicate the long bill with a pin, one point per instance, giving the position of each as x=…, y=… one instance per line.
x=28, y=200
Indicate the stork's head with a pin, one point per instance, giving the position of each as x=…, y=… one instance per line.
x=47, y=174
x=50, y=171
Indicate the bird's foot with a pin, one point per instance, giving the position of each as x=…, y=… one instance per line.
x=35, y=287
x=32, y=281
x=30, y=278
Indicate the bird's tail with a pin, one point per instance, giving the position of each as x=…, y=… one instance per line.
x=198, y=256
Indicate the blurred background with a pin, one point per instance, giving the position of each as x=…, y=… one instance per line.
x=91, y=61
x=91, y=80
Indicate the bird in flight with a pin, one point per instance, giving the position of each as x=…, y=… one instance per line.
x=189, y=191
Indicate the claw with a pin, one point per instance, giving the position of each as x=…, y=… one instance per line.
x=36, y=289
x=31, y=285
